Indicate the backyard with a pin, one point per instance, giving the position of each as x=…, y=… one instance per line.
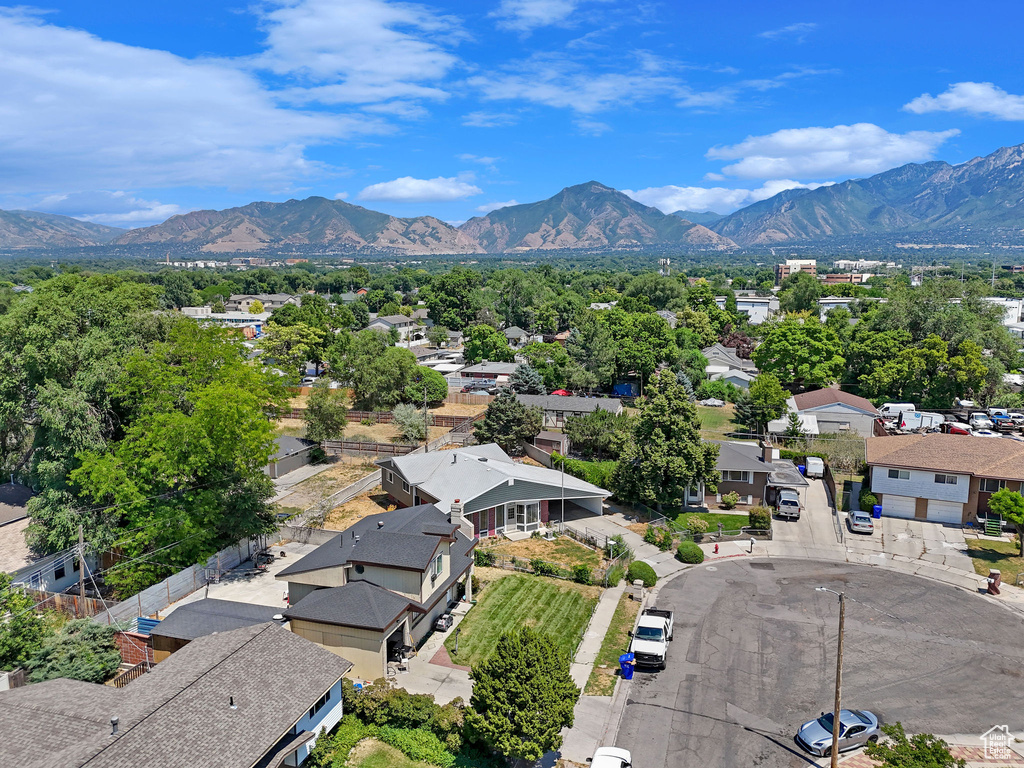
x=560, y=609
x=716, y=423
x=370, y=753
x=606, y=666
x=561, y=550
x=369, y=503
x=999, y=554
x=344, y=471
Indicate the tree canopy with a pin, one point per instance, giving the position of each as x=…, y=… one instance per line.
x=508, y=423
x=801, y=352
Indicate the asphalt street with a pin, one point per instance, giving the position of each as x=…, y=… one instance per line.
x=754, y=657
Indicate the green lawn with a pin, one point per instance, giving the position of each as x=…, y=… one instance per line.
x=716, y=423
x=371, y=753
x=730, y=522
x=602, y=677
x=561, y=609
x=1001, y=555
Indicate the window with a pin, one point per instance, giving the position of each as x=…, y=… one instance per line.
x=991, y=486
x=320, y=704
x=437, y=567
x=736, y=476
x=899, y=474
x=391, y=477
x=58, y=572
x=947, y=479
x=405, y=486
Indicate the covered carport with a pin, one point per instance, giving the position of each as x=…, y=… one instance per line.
x=785, y=474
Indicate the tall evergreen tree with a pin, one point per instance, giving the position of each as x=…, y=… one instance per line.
x=526, y=380
x=508, y=423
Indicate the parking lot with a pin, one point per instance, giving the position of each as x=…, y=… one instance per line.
x=754, y=657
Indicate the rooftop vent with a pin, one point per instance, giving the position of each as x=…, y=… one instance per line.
x=380, y=524
x=113, y=725
x=231, y=702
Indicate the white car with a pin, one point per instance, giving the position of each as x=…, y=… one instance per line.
x=980, y=420
x=611, y=757
x=860, y=522
x=985, y=433
x=309, y=381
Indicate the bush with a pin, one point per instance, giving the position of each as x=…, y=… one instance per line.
x=542, y=568
x=581, y=575
x=484, y=558
x=615, y=575
x=730, y=500
x=616, y=548
x=642, y=571
x=721, y=390
x=409, y=422
x=597, y=473
x=689, y=552
x=367, y=422
x=761, y=518
x=652, y=534
x=418, y=744
x=867, y=499
x=799, y=456
x=666, y=541
x=697, y=527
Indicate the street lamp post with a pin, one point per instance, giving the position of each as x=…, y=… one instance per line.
x=839, y=674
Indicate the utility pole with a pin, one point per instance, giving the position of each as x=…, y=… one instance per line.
x=81, y=565
x=839, y=675
x=426, y=422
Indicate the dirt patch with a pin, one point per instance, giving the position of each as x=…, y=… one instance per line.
x=638, y=528
x=369, y=503
x=459, y=409
x=531, y=462
x=562, y=550
x=345, y=471
x=383, y=433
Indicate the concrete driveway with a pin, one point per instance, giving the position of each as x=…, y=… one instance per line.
x=754, y=657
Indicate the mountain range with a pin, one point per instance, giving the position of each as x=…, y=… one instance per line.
x=983, y=196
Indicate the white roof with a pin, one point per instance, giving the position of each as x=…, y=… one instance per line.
x=808, y=421
x=467, y=473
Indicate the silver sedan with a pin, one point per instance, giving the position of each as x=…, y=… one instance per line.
x=860, y=522
x=857, y=727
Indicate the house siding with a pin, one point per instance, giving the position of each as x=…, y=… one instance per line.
x=832, y=417
x=920, y=485
x=323, y=721
x=521, y=491
x=754, y=489
x=363, y=647
x=404, y=583
x=393, y=487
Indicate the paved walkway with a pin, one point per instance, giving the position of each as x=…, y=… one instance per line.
x=285, y=484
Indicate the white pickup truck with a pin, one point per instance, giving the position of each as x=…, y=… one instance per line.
x=651, y=638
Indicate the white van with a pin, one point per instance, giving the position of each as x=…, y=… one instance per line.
x=815, y=467
x=892, y=410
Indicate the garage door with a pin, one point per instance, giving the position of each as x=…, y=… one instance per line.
x=898, y=506
x=945, y=511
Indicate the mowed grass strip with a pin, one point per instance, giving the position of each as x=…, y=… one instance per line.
x=616, y=642
x=560, y=609
x=1001, y=555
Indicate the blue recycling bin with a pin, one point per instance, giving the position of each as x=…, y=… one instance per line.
x=802, y=468
x=626, y=665
x=876, y=511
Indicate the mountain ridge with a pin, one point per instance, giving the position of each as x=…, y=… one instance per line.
x=32, y=229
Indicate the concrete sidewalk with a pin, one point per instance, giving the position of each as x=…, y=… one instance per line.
x=285, y=484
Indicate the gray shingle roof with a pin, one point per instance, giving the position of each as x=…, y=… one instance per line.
x=494, y=369
x=288, y=445
x=412, y=551
x=357, y=604
x=340, y=549
x=13, y=500
x=571, y=404
x=727, y=355
x=177, y=716
x=204, y=617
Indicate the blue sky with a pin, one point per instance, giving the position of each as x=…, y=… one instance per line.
x=125, y=113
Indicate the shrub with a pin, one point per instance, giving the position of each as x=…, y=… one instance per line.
x=614, y=575
x=642, y=571
x=418, y=744
x=666, y=541
x=367, y=422
x=477, y=585
x=542, y=568
x=333, y=749
x=867, y=499
x=652, y=534
x=597, y=473
x=697, y=527
x=730, y=500
x=581, y=575
x=760, y=518
x=484, y=558
x=689, y=552
x=616, y=548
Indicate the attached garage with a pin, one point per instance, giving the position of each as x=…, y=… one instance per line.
x=951, y=512
x=898, y=506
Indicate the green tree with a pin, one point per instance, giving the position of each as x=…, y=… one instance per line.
x=526, y=381
x=256, y=307
x=794, y=427
x=377, y=372
x=599, y=432
x=410, y=422
x=660, y=292
x=696, y=329
x=326, y=413
x=523, y=696
x=179, y=291
x=288, y=347
x=23, y=632
x=508, y=423
x=926, y=373
x=799, y=293
x=426, y=382
x=666, y=454
x=218, y=308
x=920, y=751
x=1010, y=505
x=82, y=650
x=437, y=335
x=551, y=361
x=592, y=347
x=487, y=343
x=801, y=352
x=451, y=298
x=767, y=401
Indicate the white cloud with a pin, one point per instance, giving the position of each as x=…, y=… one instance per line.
x=842, y=150
x=341, y=195
x=718, y=199
x=798, y=31
x=592, y=127
x=409, y=190
x=81, y=112
x=495, y=206
x=359, y=51
x=482, y=160
x=979, y=99
x=117, y=209
x=527, y=15
x=489, y=119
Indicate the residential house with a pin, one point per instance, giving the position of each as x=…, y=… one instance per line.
x=255, y=696
x=739, y=379
x=241, y=302
x=409, y=329
x=517, y=337
x=838, y=411
x=753, y=471
x=808, y=421
x=1013, y=309
x=549, y=442
x=346, y=298
x=827, y=303
x=598, y=306
x=189, y=621
x=557, y=408
x=375, y=590
x=668, y=317
x=758, y=309
x=942, y=478
x=497, y=372
x=455, y=339
x=483, y=485
x=248, y=323
x=722, y=359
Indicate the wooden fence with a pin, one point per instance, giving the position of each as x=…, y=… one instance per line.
x=386, y=417
x=467, y=398
x=71, y=605
x=375, y=449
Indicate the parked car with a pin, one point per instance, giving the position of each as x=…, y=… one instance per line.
x=651, y=638
x=985, y=433
x=857, y=727
x=561, y=393
x=787, y=504
x=860, y=522
x=443, y=623
x=892, y=410
x=980, y=420
x=1016, y=418
x=611, y=757
x=309, y=381
x=956, y=428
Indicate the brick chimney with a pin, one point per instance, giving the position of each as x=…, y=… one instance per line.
x=767, y=452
